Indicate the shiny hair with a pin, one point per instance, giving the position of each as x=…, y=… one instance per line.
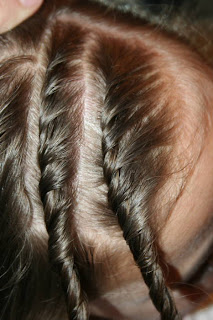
x=87, y=140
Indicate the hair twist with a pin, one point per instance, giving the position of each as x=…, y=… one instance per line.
x=132, y=134
x=58, y=158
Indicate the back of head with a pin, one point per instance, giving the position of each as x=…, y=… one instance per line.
x=100, y=131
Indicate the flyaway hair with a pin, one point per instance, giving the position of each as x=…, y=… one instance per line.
x=88, y=131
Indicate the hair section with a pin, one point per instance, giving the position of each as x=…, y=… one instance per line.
x=88, y=136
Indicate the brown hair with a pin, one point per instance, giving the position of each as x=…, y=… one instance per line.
x=88, y=127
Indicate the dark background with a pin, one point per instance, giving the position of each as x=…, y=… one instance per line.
x=200, y=8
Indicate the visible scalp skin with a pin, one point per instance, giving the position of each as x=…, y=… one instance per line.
x=93, y=114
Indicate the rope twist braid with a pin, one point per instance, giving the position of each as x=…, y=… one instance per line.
x=57, y=186
x=126, y=159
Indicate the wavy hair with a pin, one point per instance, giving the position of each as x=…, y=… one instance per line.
x=88, y=125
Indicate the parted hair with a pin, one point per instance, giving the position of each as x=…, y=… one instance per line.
x=88, y=124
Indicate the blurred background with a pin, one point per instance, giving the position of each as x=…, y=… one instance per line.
x=200, y=8
x=204, y=8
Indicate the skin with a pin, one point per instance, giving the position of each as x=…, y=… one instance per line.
x=13, y=12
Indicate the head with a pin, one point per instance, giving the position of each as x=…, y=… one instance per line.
x=106, y=165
